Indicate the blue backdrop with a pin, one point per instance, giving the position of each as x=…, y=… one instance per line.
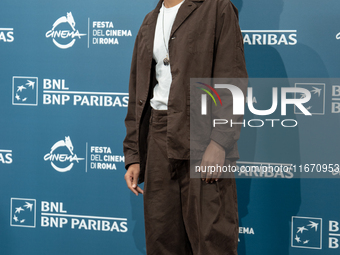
x=63, y=96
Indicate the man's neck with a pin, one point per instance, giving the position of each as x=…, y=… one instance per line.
x=171, y=3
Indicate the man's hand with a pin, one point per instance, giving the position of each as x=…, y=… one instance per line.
x=131, y=178
x=213, y=155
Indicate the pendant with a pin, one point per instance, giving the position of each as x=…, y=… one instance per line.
x=166, y=61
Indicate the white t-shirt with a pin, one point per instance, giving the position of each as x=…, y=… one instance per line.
x=163, y=72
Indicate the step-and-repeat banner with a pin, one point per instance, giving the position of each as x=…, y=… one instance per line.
x=64, y=71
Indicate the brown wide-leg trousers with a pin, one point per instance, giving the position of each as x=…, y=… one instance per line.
x=185, y=215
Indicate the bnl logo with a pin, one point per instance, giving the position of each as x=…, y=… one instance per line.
x=306, y=232
x=25, y=90
x=316, y=104
x=23, y=212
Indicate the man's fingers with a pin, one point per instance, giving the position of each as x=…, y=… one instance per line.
x=217, y=176
x=203, y=173
x=130, y=185
x=209, y=177
x=139, y=190
x=207, y=173
x=135, y=180
x=127, y=179
x=131, y=178
x=213, y=160
x=134, y=191
x=129, y=182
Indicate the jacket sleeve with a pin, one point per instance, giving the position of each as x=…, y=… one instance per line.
x=130, y=144
x=229, y=62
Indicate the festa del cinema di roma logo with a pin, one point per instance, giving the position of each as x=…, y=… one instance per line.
x=61, y=37
x=65, y=160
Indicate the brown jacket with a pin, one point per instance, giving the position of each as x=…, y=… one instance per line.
x=205, y=41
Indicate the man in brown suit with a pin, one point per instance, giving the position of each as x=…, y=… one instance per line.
x=177, y=41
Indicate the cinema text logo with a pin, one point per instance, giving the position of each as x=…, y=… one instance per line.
x=270, y=37
x=6, y=157
x=64, y=38
x=64, y=33
x=6, y=35
x=64, y=156
x=25, y=90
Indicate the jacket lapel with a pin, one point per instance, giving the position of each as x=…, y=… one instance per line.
x=183, y=13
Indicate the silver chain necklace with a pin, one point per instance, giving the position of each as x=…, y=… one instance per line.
x=166, y=60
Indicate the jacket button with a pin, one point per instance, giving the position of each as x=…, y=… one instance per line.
x=172, y=38
x=140, y=102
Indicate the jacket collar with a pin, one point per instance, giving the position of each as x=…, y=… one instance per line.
x=183, y=13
